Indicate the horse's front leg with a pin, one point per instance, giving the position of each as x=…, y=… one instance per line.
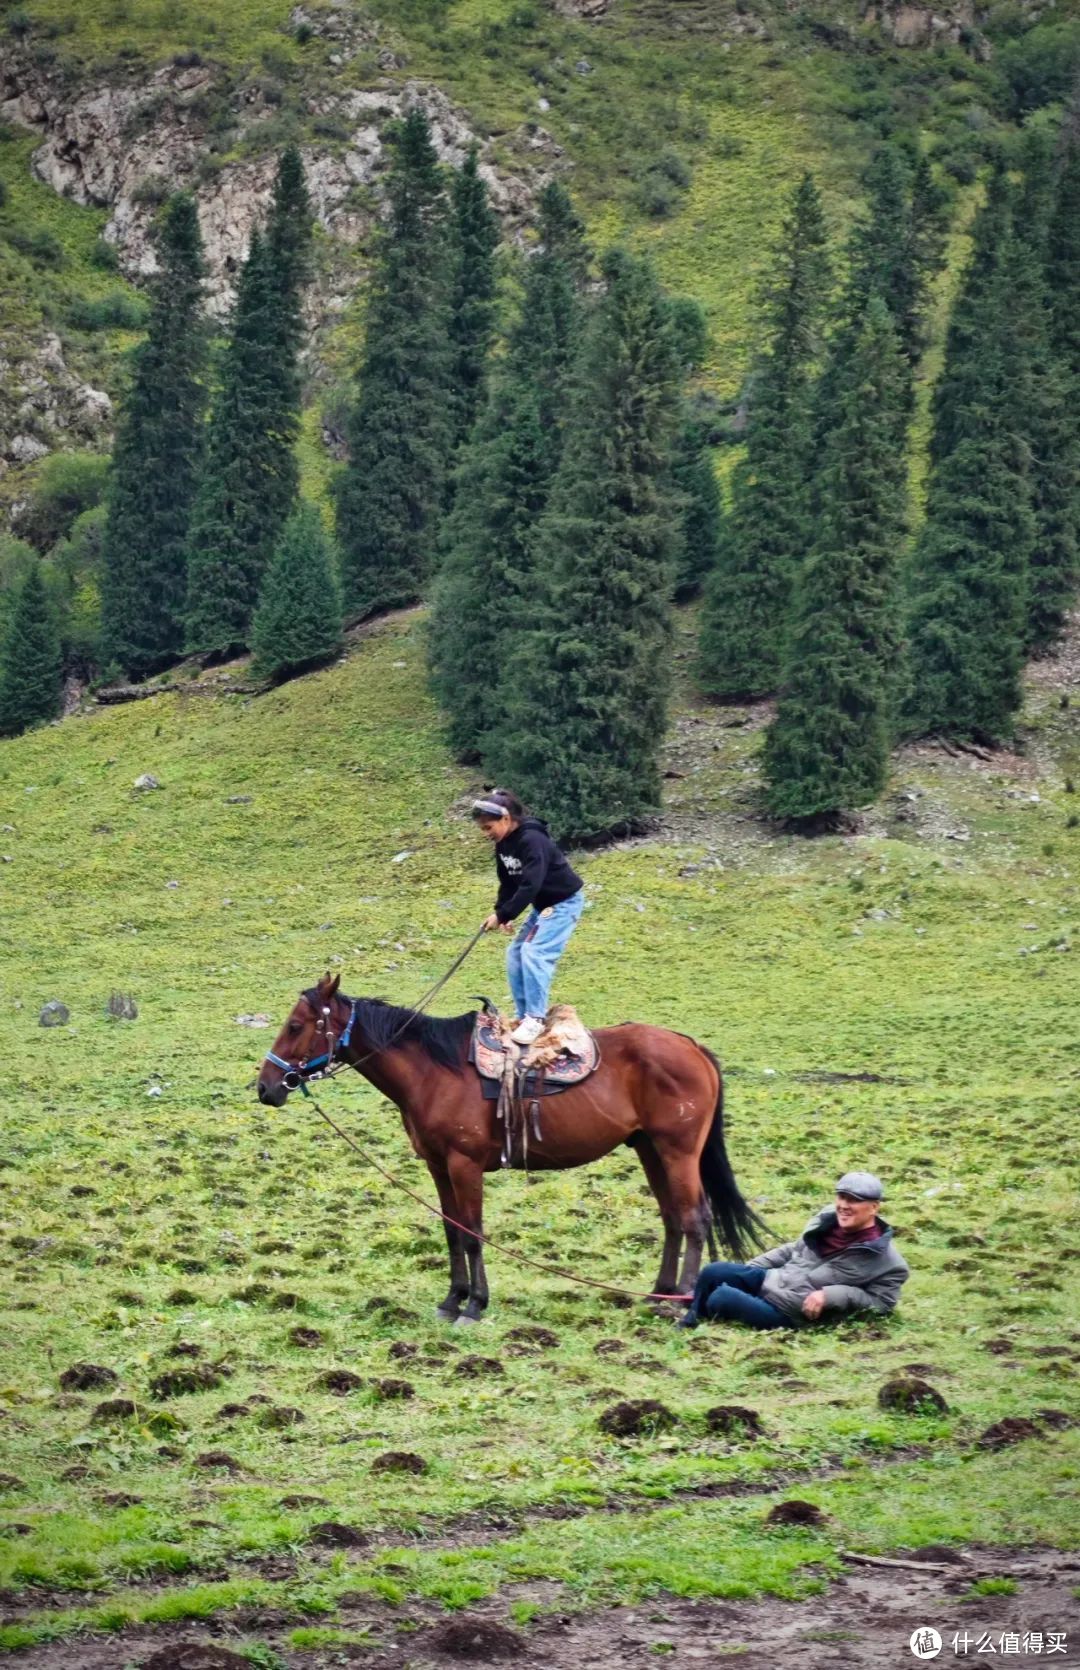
x=459, y=1275
x=467, y=1177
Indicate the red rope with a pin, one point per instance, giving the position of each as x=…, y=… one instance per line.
x=508, y=1252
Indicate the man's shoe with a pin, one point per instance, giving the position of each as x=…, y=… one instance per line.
x=528, y=1030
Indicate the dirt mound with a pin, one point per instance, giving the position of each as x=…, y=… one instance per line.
x=530, y=1334
x=999, y=1347
x=329, y=1534
x=389, y=1389
x=181, y=1297
x=731, y=1420
x=179, y=1382
x=939, y=1554
x=86, y=1377
x=232, y=1411
x=114, y=1409
x=1055, y=1418
x=8, y=1481
x=609, y=1347
x=911, y=1397
x=120, y=1499
x=641, y=1418
x=211, y=1459
x=184, y=1348
x=472, y=1368
x=195, y=1655
x=306, y=1338
x=795, y=1512
x=399, y=1461
x=476, y=1638
x=1012, y=1430
x=402, y=1350
x=280, y=1416
x=340, y=1381
x=291, y=1502
x=388, y=1310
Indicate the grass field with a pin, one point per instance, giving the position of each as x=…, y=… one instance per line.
x=157, y=1222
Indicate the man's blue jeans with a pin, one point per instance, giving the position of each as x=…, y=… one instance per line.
x=531, y=959
x=729, y=1293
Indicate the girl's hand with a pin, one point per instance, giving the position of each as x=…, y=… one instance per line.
x=491, y=923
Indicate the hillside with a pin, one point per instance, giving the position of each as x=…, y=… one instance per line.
x=680, y=127
x=904, y=999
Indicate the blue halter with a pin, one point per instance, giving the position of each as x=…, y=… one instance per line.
x=302, y=1072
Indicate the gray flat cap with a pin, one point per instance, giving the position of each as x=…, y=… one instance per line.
x=861, y=1183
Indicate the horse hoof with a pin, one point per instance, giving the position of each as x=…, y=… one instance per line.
x=448, y=1316
x=466, y=1321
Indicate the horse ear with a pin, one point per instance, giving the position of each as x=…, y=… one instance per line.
x=332, y=989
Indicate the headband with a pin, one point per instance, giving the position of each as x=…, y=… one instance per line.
x=489, y=809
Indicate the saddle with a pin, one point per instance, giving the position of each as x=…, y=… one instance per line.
x=518, y=1077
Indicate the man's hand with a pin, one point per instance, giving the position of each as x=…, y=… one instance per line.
x=813, y=1304
x=491, y=923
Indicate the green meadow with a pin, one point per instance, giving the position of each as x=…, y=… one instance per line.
x=904, y=999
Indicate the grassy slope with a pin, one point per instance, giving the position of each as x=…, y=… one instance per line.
x=197, y=1193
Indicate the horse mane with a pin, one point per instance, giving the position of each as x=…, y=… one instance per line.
x=444, y=1037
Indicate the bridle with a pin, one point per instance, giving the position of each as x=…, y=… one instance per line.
x=297, y=1075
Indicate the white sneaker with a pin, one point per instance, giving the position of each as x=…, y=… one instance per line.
x=528, y=1030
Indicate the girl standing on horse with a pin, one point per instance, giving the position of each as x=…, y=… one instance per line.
x=534, y=875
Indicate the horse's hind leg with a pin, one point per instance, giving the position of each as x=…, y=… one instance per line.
x=459, y=1276
x=658, y=1183
x=468, y=1180
x=683, y=1178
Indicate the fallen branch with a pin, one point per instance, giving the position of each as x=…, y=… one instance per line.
x=879, y=1560
x=126, y=693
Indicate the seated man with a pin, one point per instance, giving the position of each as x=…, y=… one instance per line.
x=843, y=1261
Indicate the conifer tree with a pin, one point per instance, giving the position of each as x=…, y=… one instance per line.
x=582, y=703
x=1046, y=416
x=970, y=568
x=249, y=481
x=475, y=238
x=298, y=621
x=30, y=689
x=156, y=462
x=1062, y=273
x=828, y=748
x=482, y=594
x=698, y=497
x=768, y=531
x=390, y=494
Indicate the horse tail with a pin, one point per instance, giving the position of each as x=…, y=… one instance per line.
x=740, y=1228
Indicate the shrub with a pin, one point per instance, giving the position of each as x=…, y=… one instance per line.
x=152, y=190
x=68, y=483
x=40, y=246
x=116, y=311
x=104, y=257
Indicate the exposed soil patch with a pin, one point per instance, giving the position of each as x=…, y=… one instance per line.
x=340, y=1381
x=733, y=1421
x=114, y=1409
x=178, y=1382
x=402, y=1351
x=911, y=1397
x=278, y=1417
x=641, y=1418
x=332, y=1535
x=480, y=1639
x=290, y=1503
x=389, y=1389
x=8, y=1481
x=213, y=1459
x=531, y=1334
x=795, y=1512
x=194, y=1656
x=184, y=1348
x=1014, y=1429
x=473, y=1368
x=86, y=1377
x=399, y=1461
x=306, y=1338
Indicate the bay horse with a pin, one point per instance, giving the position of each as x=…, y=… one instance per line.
x=659, y=1092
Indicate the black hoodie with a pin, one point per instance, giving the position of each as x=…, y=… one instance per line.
x=532, y=871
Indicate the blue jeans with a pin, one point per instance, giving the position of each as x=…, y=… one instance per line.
x=531, y=958
x=729, y=1293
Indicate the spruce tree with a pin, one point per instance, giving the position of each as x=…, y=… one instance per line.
x=1062, y=275
x=249, y=480
x=970, y=568
x=30, y=687
x=156, y=461
x=768, y=531
x=390, y=494
x=298, y=621
x=582, y=703
x=828, y=749
x=698, y=497
x=474, y=240
x=483, y=592
x=1046, y=416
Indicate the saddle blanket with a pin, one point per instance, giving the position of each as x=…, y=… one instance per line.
x=565, y=1052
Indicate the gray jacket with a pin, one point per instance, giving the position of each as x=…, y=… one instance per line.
x=863, y=1277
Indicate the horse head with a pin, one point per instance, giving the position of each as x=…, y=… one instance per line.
x=305, y=1044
